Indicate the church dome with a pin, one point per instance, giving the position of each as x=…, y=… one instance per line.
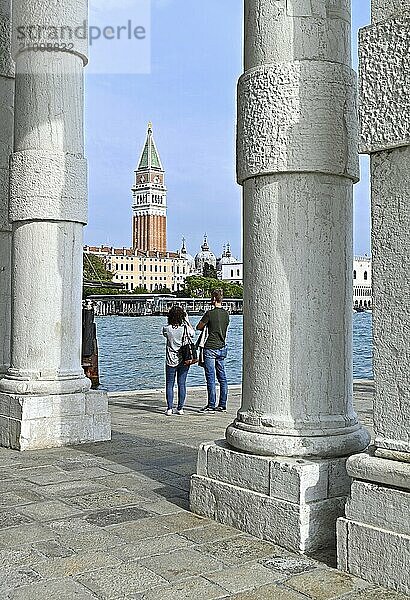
x=226, y=258
x=205, y=256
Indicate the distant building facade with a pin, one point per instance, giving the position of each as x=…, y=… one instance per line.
x=362, y=282
x=152, y=271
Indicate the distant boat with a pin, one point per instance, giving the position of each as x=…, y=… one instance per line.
x=359, y=309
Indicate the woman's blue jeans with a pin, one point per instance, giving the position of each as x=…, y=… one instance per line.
x=180, y=372
x=214, y=363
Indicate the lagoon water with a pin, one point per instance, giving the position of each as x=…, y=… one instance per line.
x=132, y=352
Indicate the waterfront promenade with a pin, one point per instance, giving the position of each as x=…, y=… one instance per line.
x=110, y=521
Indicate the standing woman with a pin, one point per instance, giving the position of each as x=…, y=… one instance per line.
x=178, y=332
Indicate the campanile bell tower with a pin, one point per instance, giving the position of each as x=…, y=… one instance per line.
x=149, y=230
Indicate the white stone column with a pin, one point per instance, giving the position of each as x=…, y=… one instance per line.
x=45, y=389
x=374, y=538
x=297, y=162
x=6, y=147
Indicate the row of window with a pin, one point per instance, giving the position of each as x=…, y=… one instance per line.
x=151, y=288
x=365, y=275
x=362, y=291
x=155, y=199
x=125, y=277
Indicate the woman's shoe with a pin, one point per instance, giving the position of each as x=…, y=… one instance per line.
x=180, y=411
x=168, y=412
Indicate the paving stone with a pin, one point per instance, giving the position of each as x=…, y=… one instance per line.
x=289, y=565
x=70, y=489
x=103, y=518
x=241, y=549
x=140, y=530
x=12, y=518
x=325, y=584
x=192, y=589
x=212, y=532
x=167, y=507
x=181, y=564
x=247, y=577
x=120, y=582
x=151, y=547
x=25, y=534
x=182, y=521
x=75, y=564
x=105, y=499
x=58, y=589
x=53, y=476
x=19, y=497
x=269, y=592
x=52, y=549
x=49, y=510
x=25, y=555
x=13, y=578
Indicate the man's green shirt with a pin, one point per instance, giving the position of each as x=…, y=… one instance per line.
x=217, y=321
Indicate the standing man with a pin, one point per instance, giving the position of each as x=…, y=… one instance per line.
x=215, y=351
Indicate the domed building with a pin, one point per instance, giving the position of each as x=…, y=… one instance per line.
x=205, y=257
x=226, y=259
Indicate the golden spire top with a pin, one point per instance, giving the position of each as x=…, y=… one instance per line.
x=150, y=127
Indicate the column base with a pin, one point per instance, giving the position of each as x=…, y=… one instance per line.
x=38, y=422
x=373, y=540
x=340, y=443
x=292, y=502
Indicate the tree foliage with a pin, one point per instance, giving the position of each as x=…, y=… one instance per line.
x=95, y=269
x=200, y=287
x=209, y=271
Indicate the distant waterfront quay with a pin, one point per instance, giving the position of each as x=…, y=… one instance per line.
x=132, y=352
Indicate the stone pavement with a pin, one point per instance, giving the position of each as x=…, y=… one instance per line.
x=110, y=521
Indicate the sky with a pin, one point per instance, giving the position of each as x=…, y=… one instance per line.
x=190, y=96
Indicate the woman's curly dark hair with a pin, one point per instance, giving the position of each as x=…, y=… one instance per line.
x=176, y=316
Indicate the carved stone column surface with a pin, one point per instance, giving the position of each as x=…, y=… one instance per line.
x=6, y=147
x=44, y=393
x=374, y=538
x=297, y=162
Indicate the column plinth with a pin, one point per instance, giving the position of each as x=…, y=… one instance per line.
x=297, y=162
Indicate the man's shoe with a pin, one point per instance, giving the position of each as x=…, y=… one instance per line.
x=168, y=412
x=208, y=409
x=221, y=408
x=179, y=411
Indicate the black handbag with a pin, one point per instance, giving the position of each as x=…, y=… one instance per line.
x=188, y=352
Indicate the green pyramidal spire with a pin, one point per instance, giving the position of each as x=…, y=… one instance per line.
x=150, y=158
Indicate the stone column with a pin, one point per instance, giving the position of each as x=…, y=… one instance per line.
x=6, y=147
x=45, y=391
x=374, y=538
x=280, y=474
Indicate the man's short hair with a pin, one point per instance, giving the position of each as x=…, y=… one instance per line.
x=217, y=295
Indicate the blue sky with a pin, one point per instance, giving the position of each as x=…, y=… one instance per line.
x=196, y=59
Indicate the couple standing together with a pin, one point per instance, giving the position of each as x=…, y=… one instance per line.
x=178, y=332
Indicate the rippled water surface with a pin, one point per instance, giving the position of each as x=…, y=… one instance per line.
x=132, y=352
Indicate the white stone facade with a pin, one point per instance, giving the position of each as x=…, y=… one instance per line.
x=374, y=538
x=362, y=283
x=44, y=398
x=152, y=271
x=232, y=272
